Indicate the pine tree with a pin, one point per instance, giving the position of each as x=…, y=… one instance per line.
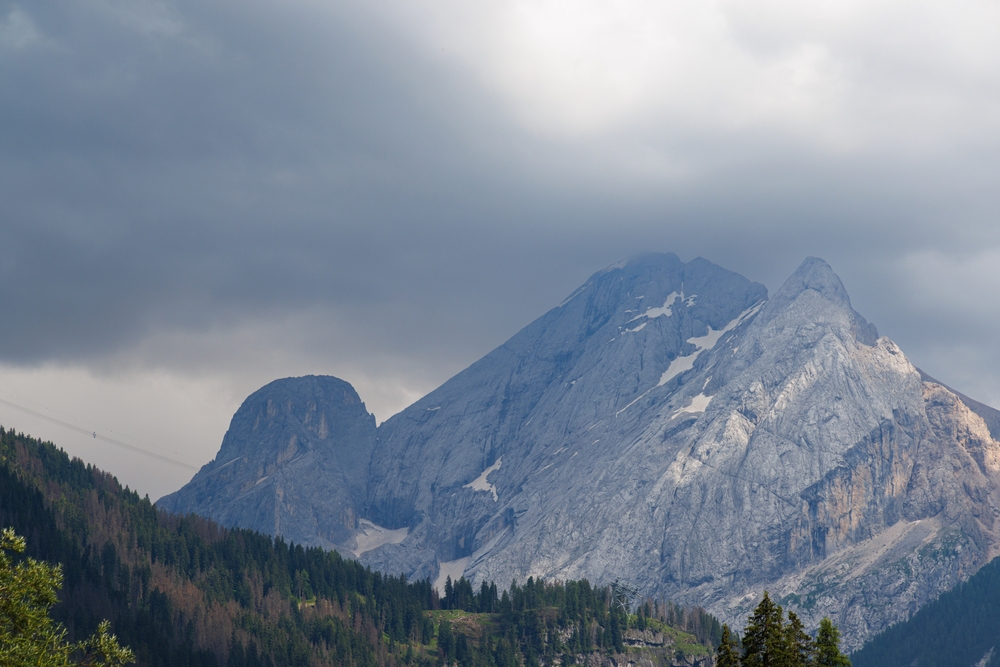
x=827, y=652
x=763, y=638
x=446, y=642
x=462, y=653
x=798, y=644
x=449, y=594
x=616, y=635
x=302, y=586
x=726, y=655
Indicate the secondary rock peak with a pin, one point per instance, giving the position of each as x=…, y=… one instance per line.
x=814, y=274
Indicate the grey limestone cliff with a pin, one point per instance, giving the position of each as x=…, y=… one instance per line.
x=293, y=462
x=671, y=425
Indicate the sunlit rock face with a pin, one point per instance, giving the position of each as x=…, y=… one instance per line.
x=669, y=425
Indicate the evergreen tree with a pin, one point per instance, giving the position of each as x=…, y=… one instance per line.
x=726, y=654
x=827, y=652
x=616, y=623
x=449, y=593
x=302, y=587
x=798, y=645
x=462, y=654
x=483, y=603
x=446, y=642
x=764, y=638
x=28, y=635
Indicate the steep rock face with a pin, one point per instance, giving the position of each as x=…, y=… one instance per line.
x=939, y=510
x=294, y=462
x=670, y=425
x=706, y=455
x=546, y=411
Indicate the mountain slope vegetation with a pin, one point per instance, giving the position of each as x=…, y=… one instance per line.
x=183, y=591
x=959, y=629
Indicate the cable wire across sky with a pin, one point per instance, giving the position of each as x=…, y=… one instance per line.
x=98, y=436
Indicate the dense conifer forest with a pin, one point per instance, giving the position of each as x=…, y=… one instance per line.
x=959, y=629
x=183, y=591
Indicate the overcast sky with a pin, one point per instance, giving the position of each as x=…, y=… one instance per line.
x=197, y=197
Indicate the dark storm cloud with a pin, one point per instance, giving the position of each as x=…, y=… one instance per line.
x=207, y=165
x=195, y=167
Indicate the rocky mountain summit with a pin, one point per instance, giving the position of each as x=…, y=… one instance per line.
x=667, y=424
x=293, y=463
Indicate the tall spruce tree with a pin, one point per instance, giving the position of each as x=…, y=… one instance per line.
x=827, y=652
x=446, y=642
x=799, y=645
x=726, y=655
x=764, y=637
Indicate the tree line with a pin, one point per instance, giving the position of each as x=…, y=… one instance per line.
x=183, y=591
x=769, y=640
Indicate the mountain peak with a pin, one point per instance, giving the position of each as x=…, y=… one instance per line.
x=667, y=422
x=814, y=274
x=295, y=442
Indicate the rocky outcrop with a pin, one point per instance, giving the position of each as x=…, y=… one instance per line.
x=650, y=658
x=294, y=462
x=670, y=425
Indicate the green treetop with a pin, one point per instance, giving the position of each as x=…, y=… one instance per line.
x=28, y=636
x=727, y=655
x=768, y=641
x=763, y=638
x=828, y=646
x=799, y=646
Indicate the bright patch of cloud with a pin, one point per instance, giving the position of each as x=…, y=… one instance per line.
x=831, y=75
x=18, y=31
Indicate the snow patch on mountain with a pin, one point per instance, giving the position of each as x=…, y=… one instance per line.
x=482, y=484
x=371, y=536
x=703, y=343
x=678, y=366
x=577, y=292
x=698, y=404
x=665, y=310
x=633, y=402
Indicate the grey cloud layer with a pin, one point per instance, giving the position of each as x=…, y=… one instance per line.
x=182, y=170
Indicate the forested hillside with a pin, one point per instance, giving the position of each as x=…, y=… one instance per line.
x=959, y=629
x=184, y=591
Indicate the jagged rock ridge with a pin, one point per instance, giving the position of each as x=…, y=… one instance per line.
x=670, y=424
